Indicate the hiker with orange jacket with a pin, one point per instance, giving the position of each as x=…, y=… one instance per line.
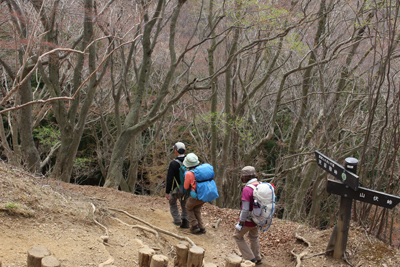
x=193, y=205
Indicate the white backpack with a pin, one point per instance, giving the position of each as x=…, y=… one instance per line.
x=263, y=205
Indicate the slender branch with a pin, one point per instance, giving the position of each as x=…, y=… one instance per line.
x=36, y=102
x=156, y=228
x=13, y=90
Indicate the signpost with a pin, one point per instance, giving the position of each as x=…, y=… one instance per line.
x=338, y=171
x=363, y=194
x=348, y=189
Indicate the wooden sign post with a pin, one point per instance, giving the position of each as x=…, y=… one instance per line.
x=348, y=189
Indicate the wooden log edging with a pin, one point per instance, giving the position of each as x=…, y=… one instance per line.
x=181, y=251
x=50, y=261
x=145, y=255
x=159, y=261
x=36, y=254
x=233, y=260
x=247, y=264
x=195, y=256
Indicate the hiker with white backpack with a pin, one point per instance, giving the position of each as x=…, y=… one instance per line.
x=172, y=189
x=258, y=200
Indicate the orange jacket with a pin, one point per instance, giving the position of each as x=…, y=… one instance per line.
x=190, y=181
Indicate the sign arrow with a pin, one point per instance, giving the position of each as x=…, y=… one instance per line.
x=363, y=194
x=337, y=170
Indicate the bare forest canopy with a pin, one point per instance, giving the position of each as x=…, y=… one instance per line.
x=97, y=92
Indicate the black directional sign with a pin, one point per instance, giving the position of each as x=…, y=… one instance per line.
x=363, y=194
x=337, y=170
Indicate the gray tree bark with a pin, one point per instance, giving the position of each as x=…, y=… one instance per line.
x=133, y=125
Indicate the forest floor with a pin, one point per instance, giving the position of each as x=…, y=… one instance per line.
x=72, y=220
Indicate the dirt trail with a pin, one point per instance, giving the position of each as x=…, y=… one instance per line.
x=37, y=211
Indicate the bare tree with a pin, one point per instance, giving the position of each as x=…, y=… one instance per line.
x=22, y=84
x=133, y=125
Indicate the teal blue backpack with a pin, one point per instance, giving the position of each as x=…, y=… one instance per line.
x=179, y=189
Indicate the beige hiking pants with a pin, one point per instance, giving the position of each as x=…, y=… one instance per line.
x=248, y=253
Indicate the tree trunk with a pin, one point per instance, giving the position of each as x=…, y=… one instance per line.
x=214, y=97
x=73, y=132
x=317, y=193
x=30, y=153
x=300, y=201
x=132, y=124
x=133, y=167
x=221, y=174
x=292, y=180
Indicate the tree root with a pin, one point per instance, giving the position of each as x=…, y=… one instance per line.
x=303, y=253
x=143, y=228
x=156, y=228
x=104, y=239
x=110, y=259
x=94, y=209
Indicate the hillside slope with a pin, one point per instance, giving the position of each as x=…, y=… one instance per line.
x=72, y=220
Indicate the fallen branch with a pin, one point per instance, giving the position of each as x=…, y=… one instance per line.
x=156, y=228
x=217, y=223
x=303, y=253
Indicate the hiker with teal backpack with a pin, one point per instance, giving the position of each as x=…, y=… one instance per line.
x=199, y=179
x=258, y=200
x=174, y=187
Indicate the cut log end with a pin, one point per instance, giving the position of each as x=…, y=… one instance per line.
x=195, y=256
x=181, y=250
x=233, y=260
x=247, y=264
x=159, y=261
x=145, y=255
x=36, y=254
x=50, y=261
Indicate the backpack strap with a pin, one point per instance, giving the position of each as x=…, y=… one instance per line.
x=200, y=181
x=180, y=162
x=180, y=165
x=249, y=219
x=251, y=186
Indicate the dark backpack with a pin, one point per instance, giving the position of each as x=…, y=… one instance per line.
x=179, y=189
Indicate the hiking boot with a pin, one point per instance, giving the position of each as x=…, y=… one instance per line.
x=257, y=262
x=176, y=223
x=195, y=229
x=202, y=231
x=185, y=224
